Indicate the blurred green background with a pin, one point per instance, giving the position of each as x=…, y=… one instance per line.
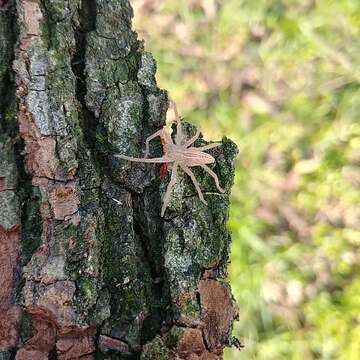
x=280, y=78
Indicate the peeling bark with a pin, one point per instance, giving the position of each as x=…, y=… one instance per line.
x=89, y=268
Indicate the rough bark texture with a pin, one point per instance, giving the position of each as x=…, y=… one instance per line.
x=82, y=275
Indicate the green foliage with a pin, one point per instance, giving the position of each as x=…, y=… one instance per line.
x=280, y=78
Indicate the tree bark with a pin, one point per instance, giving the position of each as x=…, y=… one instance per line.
x=89, y=269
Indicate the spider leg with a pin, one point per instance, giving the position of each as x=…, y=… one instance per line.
x=166, y=199
x=208, y=147
x=193, y=139
x=193, y=179
x=162, y=134
x=178, y=137
x=153, y=160
x=214, y=176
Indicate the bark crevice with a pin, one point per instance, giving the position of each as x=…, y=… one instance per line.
x=86, y=24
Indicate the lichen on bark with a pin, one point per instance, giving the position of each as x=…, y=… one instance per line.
x=94, y=271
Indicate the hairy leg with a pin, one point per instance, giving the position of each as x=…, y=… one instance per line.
x=178, y=137
x=214, y=176
x=153, y=160
x=193, y=139
x=166, y=199
x=162, y=133
x=196, y=184
x=208, y=147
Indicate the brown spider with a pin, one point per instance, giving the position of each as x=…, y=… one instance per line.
x=180, y=153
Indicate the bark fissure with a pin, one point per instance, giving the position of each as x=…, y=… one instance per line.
x=161, y=316
x=87, y=21
x=7, y=88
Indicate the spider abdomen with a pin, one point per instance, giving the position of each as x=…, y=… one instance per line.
x=188, y=156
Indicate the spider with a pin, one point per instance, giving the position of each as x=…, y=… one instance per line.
x=181, y=154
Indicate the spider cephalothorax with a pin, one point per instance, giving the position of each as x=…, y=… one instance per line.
x=180, y=153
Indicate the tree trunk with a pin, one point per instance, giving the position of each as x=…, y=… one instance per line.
x=89, y=269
